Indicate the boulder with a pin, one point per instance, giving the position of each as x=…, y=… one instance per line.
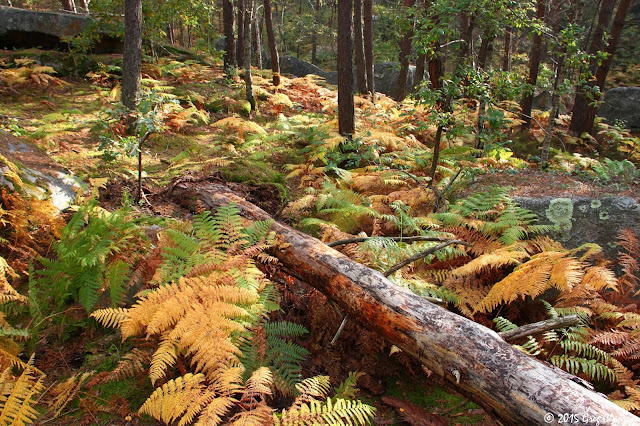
x=21, y=28
x=26, y=169
x=298, y=67
x=622, y=103
x=386, y=77
x=586, y=220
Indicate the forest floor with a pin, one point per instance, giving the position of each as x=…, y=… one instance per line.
x=61, y=124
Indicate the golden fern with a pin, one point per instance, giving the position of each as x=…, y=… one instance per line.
x=66, y=391
x=17, y=395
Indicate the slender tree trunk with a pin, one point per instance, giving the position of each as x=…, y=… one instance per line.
x=361, y=74
x=579, y=111
x=248, y=81
x=132, y=53
x=367, y=11
x=257, y=39
x=486, y=48
x=534, y=67
x=467, y=24
x=421, y=62
x=271, y=39
x=281, y=28
x=228, y=18
x=85, y=6
x=68, y=5
x=436, y=73
x=346, y=119
x=240, y=45
x=603, y=69
x=314, y=34
x=405, y=53
x=506, y=58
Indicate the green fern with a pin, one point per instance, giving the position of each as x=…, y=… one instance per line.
x=494, y=214
x=90, y=257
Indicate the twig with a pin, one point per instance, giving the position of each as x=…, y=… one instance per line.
x=540, y=327
x=342, y=324
x=421, y=255
x=399, y=239
x=455, y=408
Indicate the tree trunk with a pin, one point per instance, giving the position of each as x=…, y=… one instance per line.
x=314, y=34
x=229, y=37
x=257, y=39
x=603, y=69
x=506, y=382
x=346, y=119
x=248, y=81
x=484, y=56
x=506, y=58
x=271, y=39
x=367, y=11
x=579, y=112
x=421, y=61
x=358, y=40
x=405, y=53
x=534, y=67
x=132, y=53
x=68, y=5
x=240, y=45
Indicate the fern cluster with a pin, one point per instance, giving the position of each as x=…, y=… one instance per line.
x=93, y=255
x=495, y=215
x=210, y=311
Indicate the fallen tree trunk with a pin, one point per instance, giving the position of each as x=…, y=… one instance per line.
x=514, y=387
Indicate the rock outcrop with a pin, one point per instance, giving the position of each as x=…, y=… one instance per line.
x=622, y=103
x=586, y=220
x=21, y=28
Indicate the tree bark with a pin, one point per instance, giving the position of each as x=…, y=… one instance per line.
x=346, y=119
x=421, y=61
x=132, y=53
x=271, y=39
x=240, y=45
x=534, y=67
x=358, y=40
x=248, y=80
x=603, y=69
x=514, y=387
x=506, y=57
x=256, y=37
x=367, y=12
x=579, y=111
x=314, y=34
x=405, y=53
x=68, y=5
x=229, y=37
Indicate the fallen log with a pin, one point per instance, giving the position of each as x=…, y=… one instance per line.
x=514, y=387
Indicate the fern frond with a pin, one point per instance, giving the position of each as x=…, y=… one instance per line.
x=110, y=317
x=131, y=364
x=67, y=391
x=172, y=400
x=17, y=400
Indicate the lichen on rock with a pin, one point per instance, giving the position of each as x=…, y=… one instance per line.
x=560, y=213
